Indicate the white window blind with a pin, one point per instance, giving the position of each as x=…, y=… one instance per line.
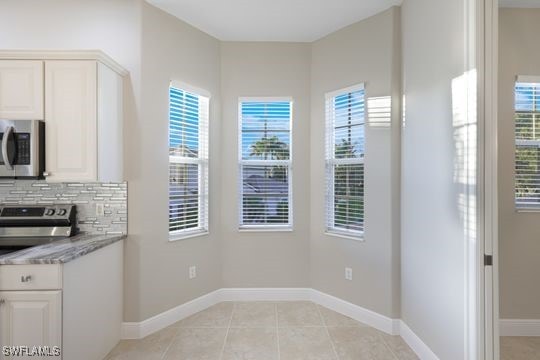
x=188, y=163
x=345, y=114
x=265, y=163
x=527, y=132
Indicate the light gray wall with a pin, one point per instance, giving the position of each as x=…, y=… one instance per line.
x=519, y=233
x=171, y=50
x=368, y=52
x=265, y=259
x=112, y=26
x=433, y=242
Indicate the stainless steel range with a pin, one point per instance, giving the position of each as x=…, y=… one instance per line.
x=30, y=225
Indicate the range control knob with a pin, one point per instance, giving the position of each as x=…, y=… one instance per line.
x=49, y=212
x=62, y=212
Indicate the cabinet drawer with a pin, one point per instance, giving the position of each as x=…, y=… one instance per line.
x=30, y=277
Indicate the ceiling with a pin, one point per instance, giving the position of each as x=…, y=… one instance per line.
x=520, y=3
x=272, y=20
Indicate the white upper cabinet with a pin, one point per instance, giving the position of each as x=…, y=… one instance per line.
x=110, y=125
x=79, y=95
x=21, y=89
x=83, y=121
x=71, y=120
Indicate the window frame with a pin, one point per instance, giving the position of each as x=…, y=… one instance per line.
x=523, y=206
x=289, y=163
x=202, y=161
x=330, y=161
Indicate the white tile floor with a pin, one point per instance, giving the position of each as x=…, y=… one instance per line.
x=266, y=331
x=520, y=348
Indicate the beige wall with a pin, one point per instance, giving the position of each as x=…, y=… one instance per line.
x=171, y=50
x=436, y=175
x=519, y=233
x=363, y=52
x=265, y=259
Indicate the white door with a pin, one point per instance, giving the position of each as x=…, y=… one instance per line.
x=21, y=89
x=71, y=120
x=30, y=318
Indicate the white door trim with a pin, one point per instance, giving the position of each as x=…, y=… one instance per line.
x=488, y=94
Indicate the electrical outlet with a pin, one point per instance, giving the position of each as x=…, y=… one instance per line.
x=192, y=272
x=100, y=209
x=348, y=273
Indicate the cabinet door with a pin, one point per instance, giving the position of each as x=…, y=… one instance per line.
x=30, y=318
x=21, y=89
x=71, y=120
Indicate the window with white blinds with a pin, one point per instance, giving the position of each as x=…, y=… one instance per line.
x=188, y=162
x=527, y=132
x=345, y=115
x=265, y=163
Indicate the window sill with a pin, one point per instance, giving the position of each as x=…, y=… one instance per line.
x=346, y=236
x=265, y=229
x=528, y=210
x=187, y=235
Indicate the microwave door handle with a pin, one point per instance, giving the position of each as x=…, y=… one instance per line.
x=7, y=134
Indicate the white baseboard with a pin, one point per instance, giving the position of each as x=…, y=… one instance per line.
x=265, y=294
x=519, y=327
x=371, y=318
x=415, y=343
x=137, y=330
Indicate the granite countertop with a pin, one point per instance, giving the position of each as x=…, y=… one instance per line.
x=60, y=251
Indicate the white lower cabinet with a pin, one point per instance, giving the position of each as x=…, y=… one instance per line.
x=77, y=306
x=31, y=318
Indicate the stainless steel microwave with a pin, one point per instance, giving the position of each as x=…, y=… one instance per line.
x=22, y=149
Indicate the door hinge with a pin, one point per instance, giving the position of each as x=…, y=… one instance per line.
x=488, y=260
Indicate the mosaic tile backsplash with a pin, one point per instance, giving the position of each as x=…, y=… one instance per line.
x=113, y=196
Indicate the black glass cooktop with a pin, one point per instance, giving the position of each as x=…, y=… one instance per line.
x=23, y=212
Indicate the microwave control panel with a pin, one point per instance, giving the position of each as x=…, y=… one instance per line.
x=22, y=143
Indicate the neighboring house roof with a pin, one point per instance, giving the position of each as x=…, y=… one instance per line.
x=183, y=150
x=254, y=183
x=257, y=184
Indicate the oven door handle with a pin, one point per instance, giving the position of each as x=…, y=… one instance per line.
x=5, y=139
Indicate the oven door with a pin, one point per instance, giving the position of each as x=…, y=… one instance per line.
x=21, y=147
